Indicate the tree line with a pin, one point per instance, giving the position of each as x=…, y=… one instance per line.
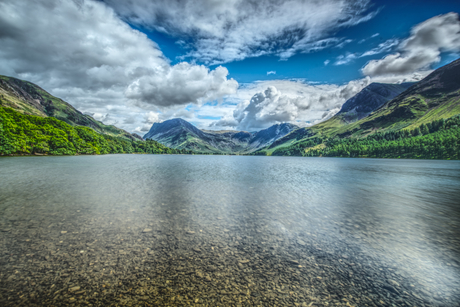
x=438, y=139
x=29, y=134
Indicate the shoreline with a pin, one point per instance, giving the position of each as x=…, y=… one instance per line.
x=204, y=154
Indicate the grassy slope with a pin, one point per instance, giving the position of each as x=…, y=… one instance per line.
x=422, y=103
x=8, y=99
x=216, y=143
x=188, y=141
x=408, y=114
x=30, y=134
x=30, y=99
x=288, y=140
x=195, y=144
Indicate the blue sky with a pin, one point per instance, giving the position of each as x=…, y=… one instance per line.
x=235, y=64
x=393, y=21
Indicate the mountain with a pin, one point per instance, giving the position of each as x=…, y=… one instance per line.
x=23, y=134
x=180, y=134
x=370, y=99
x=173, y=128
x=268, y=136
x=435, y=98
x=30, y=99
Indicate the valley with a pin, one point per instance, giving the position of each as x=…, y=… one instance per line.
x=409, y=120
x=381, y=121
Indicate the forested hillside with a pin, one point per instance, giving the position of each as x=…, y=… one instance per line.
x=30, y=134
x=30, y=99
x=421, y=122
x=439, y=139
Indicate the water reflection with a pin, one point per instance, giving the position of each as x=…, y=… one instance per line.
x=218, y=230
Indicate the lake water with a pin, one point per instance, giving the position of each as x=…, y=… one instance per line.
x=173, y=230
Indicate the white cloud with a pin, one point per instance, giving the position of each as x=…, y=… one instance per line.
x=365, y=39
x=422, y=49
x=382, y=47
x=224, y=31
x=82, y=52
x=224, y=123
x=152, y=117
x=269, y=107
x=129, y=120
x=143, y=129
x=307, y=47
x=197, y=115
x=272, y=72
x=278, y=101
x=345, y=42
x=345, y=59
x=182, y=84
x=264, y=103
x=401, y=78
x=326, y=62
x=297, y=101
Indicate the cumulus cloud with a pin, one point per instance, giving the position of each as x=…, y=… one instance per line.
x=193, y=113
x=279, y=101
x=83, y=52
x=272, y=72
x=422, y=49
x=227, y=121
x=182, y=84
x=129, y=120
x=143, y=129
x=223, y=31
x=269, y=107
x=152, y=117
x=106, y=118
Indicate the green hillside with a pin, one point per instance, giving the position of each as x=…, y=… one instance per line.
x=437, y=97
x=31, y=134
x=180, y=134
x=30, y=99
x=439, y=139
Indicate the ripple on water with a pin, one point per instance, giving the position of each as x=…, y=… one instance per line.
x=150, y=230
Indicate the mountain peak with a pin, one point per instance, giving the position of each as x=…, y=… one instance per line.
x=177, y=120
x=370, y=99
x=443, y=80
x=178, y=125
x=178, y=133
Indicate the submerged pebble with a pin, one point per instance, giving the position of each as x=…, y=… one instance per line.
x=162, y=241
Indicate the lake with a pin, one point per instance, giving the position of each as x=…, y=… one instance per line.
x=156, y=230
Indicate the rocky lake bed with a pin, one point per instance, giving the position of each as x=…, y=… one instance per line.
x=79, y=232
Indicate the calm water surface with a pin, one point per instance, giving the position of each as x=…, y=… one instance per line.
x=152, y=230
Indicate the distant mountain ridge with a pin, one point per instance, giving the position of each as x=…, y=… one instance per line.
x=434, y=98
x=377, y=109
x=370, y=99
x=30, y=99
x=180, y=134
